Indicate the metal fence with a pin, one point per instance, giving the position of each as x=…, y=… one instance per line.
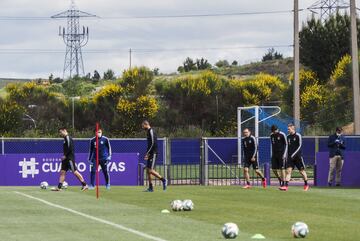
x=206, y=161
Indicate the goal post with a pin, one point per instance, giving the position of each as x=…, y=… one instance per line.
x=254, y=115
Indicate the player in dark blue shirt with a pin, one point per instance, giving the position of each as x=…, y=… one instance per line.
x=104, y=158
x=250, y=157
x=150, y=156
x=68, y=161
x=295, y=158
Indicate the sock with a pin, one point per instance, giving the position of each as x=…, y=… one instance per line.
x=83, y=183
x=162, y=179
x=248, y=183
x=150, y=186
x=280, y=181
x=305, y=181
x=263, y=178
x=286, y=183
x=60, y=185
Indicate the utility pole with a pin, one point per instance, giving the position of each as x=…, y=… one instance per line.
x=355, y=67
x=74, y=38
x=296, y=66
x=130, y=58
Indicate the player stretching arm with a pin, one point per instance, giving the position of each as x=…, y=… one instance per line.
x=250, y=147
x=150, y=156
x=279, y=148
x=295, y=157
x=68, y=161
x=104, y=158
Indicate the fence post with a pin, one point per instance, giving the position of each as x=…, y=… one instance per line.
x=316, y=151
x=168, y=159
x=204, y=162
x=2, y=146
x=164, y=157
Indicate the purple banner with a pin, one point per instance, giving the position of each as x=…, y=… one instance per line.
x=350, y=173
x=32, y=169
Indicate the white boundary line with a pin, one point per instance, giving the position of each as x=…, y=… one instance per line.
x=118, y=226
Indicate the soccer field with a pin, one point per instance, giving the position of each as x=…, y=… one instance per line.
x=127, y=213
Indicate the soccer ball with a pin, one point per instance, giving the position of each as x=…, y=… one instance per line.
x=299, y=230
x=177, y=205
x=230, y=230
x=188, y=205
x=65, y=185
x=44, y=185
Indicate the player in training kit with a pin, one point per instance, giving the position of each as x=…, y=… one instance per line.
x=294, y=157
x=279, y=148
x=150, y=156
x=104, y=158
x=250, y=149
x=68, y=161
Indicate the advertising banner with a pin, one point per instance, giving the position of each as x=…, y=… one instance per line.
x=32, y=169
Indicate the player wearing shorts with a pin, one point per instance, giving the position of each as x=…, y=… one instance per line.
x=68, y=161
x=279, y=147
x=150, y=156
x=250, y=149
x=294, y=157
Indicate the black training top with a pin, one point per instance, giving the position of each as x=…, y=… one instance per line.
x=68, y=147
x=151, y=142
x=295, y=144
x=249, y=146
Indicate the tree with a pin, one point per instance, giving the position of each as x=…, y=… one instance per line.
x=234, y=63
x=136, y=81
x=323, y=44
x=109, y=75
x=222, y=64
x=272, y=55
x=189, y=65
x=10, y=117
x=202, y=64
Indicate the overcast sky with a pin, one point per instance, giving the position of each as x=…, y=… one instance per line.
x=122, y=34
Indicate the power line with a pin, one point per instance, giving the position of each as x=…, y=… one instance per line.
x=148, y=50
x=41, y=18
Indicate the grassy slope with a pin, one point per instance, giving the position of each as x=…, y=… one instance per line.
x=331, y=214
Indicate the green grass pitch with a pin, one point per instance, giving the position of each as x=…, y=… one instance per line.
x=332, y=214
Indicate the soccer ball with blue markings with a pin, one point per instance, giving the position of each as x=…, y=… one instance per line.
x=299, y=230
x=44, y=185
x=188, y=205
x=230, y=230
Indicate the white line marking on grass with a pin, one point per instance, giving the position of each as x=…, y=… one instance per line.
x=130, y=230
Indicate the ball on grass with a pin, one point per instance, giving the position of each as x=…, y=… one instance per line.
x=299, y=230
x=44, y=185
x=230, y=230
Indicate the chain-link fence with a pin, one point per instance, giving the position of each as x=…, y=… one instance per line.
x=206, y=161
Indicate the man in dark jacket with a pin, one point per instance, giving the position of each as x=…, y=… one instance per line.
x=336, y=144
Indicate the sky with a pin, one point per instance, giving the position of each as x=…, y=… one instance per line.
x=213, y=38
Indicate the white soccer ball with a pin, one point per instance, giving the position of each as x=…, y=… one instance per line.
x=230, y=230
x=177, y=205
x=44, y=185
x=65, y=185
x=188, y=205
x=299, y=230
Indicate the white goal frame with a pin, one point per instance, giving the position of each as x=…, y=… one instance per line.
x=240, y=122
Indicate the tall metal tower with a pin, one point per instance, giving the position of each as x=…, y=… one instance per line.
x=75, y=38
x=326, y=8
